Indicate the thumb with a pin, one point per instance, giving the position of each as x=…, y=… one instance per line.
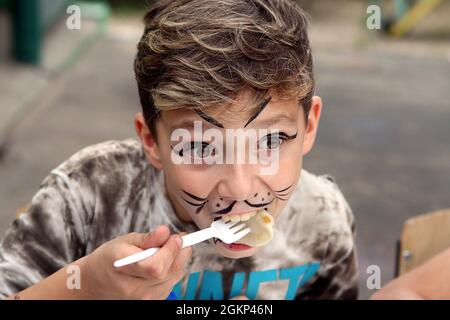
x=155, y=238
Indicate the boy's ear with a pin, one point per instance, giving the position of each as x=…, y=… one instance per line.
x=312, y=124
x=148, y=141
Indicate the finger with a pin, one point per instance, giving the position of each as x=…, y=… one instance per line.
x=181, y=259
x=156, y=268
x=141, y=242
x=169, y=250
x=156, y=238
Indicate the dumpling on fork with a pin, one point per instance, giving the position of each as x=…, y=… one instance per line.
x=261, y=226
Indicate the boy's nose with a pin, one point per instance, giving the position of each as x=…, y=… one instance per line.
x=237, y=183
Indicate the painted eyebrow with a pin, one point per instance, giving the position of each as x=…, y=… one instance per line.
x=216, y=123
x=258, y=111
x=188, y=124
x=210, y=119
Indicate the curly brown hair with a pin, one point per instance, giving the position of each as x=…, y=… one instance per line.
x=202, y=53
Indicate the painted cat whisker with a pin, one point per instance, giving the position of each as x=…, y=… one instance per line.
x=194, y=204
x=193, y=196
x=285, y=189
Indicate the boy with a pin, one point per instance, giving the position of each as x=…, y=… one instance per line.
x=203, y=68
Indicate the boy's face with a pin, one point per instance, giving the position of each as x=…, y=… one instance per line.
x=202, y=192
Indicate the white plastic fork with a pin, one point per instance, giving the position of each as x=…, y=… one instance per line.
x=228, y=232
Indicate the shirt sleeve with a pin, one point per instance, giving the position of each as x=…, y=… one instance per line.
x=335, y=281
x=337, y=278
x=47, y=237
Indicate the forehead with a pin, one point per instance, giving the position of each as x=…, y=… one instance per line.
x=276, y=111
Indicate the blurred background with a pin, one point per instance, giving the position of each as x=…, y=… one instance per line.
x=384, y=133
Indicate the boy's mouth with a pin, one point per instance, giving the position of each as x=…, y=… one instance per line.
x=261, y=225
x=236, y=217
x=235, y=246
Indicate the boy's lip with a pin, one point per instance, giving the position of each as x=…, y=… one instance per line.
x=232, y=246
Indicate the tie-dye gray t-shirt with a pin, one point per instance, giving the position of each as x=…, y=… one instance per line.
x=109, y=189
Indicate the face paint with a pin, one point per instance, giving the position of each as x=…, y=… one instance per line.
x=274, y=140
x=201, y=202
x=199, y=206
x=210, y=119
x=281, y=194
x=259, y=205
x=287, y=137
x=258, y=111
x=216, y=123
x=268, y=127
x=225, y=210
x=261, y=222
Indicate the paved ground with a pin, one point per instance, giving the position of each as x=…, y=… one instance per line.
x=384, y=131
x=383, y=135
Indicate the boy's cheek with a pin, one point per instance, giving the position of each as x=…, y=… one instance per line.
x=197, y=180
x=200, y=220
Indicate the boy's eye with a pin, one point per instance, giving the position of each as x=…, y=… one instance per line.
x=198, y=150
x=271, y=141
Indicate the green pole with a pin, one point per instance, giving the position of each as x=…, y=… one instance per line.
x=27, y=31
x=401, y=7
